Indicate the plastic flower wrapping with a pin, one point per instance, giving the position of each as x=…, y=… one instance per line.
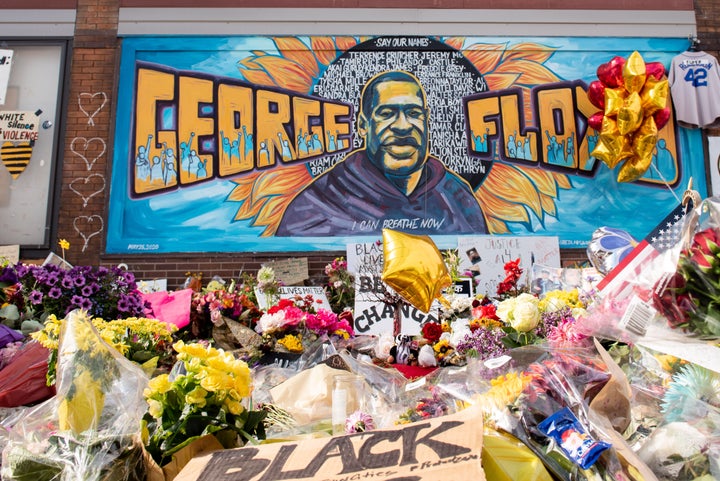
x=91, y=429
x=669, y=299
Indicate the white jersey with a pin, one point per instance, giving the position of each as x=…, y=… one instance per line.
x=694, y=82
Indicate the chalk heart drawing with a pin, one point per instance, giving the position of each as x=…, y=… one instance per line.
x=84, y=184
x=80, y=145
x=92, y=104
x=87, y=227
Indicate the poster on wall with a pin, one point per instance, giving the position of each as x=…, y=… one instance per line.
x=248, y=143
x=374, y=309
x=484, y=257
x=18, y=133
x=6, y=57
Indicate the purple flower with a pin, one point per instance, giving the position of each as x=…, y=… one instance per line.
x=52, y=278
x=79, y=280
x=123, y=304
x=7, y=275
x=21, y=270
x=87, y=290
x=80, y=302
x=36, y=297
x=67, y=282
x=55, y=293
x=486, y=343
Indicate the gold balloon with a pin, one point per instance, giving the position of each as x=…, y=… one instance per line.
x=617, y=145
x=630, y=115
x=614, y=100
x=644, y=140
x=634, y=73
x=634, y=168
x=604, y=154
x=414, y=268
x=654, y=95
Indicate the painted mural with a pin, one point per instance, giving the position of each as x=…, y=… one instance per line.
x=263, y=144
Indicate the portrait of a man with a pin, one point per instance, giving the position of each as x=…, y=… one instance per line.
x=393, y=182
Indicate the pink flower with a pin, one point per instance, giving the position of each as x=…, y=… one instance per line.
x=566, y=334
x=359, y=422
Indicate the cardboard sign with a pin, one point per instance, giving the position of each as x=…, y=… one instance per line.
x=10, y=254
x=485, y=257
x=372, y=316
x=439, y=449
x=290, y=271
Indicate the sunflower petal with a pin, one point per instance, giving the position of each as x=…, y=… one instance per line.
x=293, y=49
x=485, y=56
x=254, y=74
x=530, y=73
x=529, y=51
x=324, y=49
x=346, y=43
x=286, y=73
x=454, y=42
x=499, y=81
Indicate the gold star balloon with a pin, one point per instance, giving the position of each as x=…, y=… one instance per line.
x=414, y=268
x=634, y=110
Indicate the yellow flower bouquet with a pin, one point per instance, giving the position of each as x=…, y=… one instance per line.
x=204, y=393
x=91, y=429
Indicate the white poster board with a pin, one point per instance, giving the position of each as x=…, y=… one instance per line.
x=372, y=316
x=485, y=257
x=289, y=292
x=6, y=57
x=10, y=254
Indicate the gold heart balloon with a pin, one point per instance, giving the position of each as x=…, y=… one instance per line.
x=414, y=268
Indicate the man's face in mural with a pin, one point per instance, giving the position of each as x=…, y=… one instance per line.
x=395, y=127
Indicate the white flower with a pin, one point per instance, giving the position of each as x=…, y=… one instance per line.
x=270, y=322
x=460, y=328
x=521, y=312
x=672, y=442
x=266, y=275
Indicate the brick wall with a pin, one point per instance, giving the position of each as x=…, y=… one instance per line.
x=88, y=144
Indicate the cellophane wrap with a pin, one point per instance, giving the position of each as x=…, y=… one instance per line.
x=91, y=429
x=668, y=298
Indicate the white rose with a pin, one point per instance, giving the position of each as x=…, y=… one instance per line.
x=505, y=309
x=526, y=315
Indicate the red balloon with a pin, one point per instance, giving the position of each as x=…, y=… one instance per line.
x=596, y=94
x=595, y=120
x=661, y=117
x=656, y=69
x=611, y=73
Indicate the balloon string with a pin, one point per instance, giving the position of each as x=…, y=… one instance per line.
x=666, y=182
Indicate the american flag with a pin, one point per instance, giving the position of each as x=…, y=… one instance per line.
x=663, y=237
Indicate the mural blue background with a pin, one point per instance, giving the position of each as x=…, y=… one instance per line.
x=198, y=218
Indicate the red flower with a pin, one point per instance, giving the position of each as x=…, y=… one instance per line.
x=432, y=331
x=487, y=311
x=707, y=241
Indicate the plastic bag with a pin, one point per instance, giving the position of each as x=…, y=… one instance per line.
x=24, y=381
x=523, y=388
x=666, y=294
x=91, y=429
